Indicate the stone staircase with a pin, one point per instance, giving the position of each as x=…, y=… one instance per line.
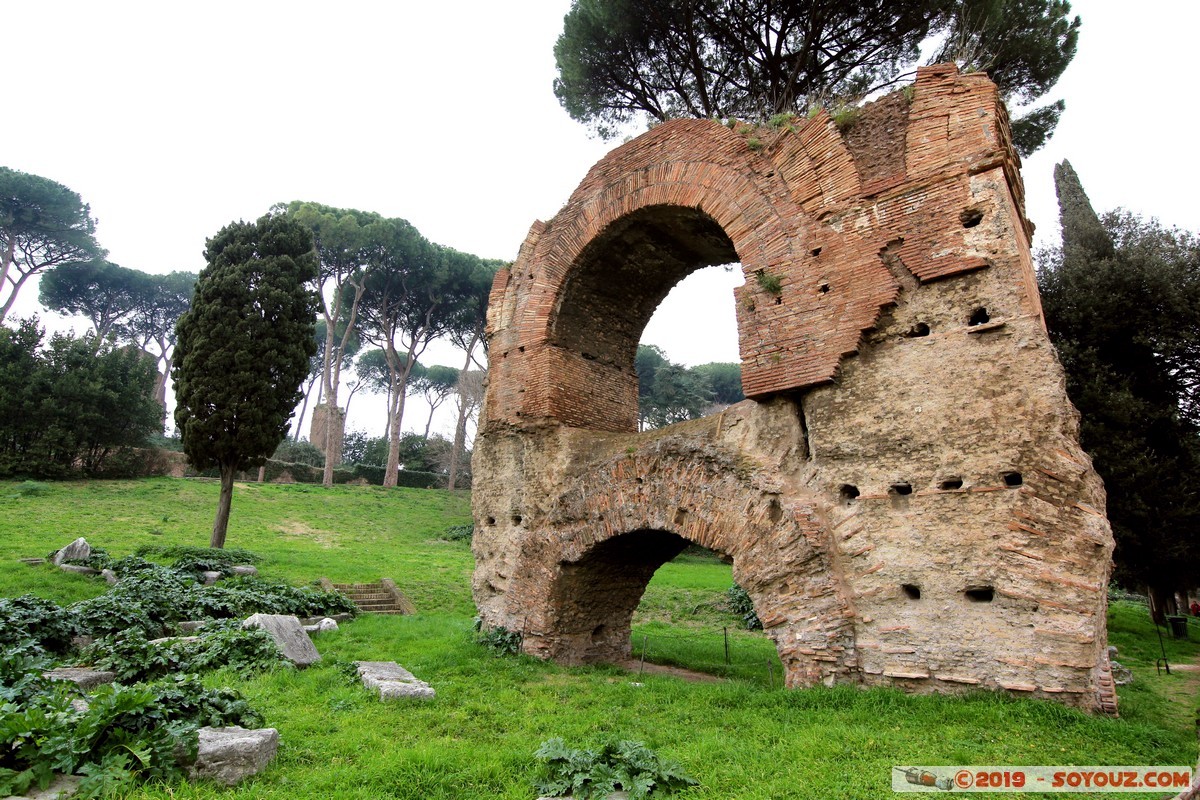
x=381, y=597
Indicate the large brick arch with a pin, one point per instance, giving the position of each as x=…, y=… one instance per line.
x=903, y=495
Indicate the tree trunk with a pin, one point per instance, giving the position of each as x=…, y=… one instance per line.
x=9, y=256
x=1162, y=604
x=387, y=425
x=460, y=436
x=395, y=415
x=160, y=393
x=333, y=443
x=221, y=523
x=460, y=428
x=304, y=407
x=398, y=388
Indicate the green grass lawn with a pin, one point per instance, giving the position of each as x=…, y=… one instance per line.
x=741, y=738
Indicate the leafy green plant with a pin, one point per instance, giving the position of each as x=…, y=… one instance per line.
x=183, y=697
x=129, y=656
x=151, y=600
x=124, y=733
x=783, y=120
x=844, y=117
x=197, y=565
x=617, y=765
x=30, y=489
x=459, y=533
x=499, y=640
x=229, y=645
x=246, y=594
x=33, y=618
x=218, y=645
x=754, y=143
x=21, y=668
x=130, y=565
x=769, y=283
x=739, y=603
x=228, y=555
x=148, y=601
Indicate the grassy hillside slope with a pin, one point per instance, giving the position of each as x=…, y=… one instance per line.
x=742, y=738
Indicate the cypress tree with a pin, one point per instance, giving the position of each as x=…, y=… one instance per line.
x=243, y=349
x=1122, y=304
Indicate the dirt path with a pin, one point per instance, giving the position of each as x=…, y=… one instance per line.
x=637, y=667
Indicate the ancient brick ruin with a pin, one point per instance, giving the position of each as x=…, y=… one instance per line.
x=903, y=496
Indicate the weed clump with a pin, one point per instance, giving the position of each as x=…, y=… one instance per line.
x=500, y=641
x=459, y=533
x=739, y=602
x=617, y=766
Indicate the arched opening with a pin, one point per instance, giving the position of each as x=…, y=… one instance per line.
x=597, y=595
x=614, y=287
x=652, y=599
x=692, y=338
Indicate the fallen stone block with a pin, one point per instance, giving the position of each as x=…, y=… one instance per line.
x=230, y=755
x=323, y=626
x=77, y=550
x=173, y=639
x=84, y=677
x=287, y=633
x=78, y=570
x=392, y=681
x=210, y=577
x=62, y=787
x=338, y=618
x=110, y=577
x=33, y=562
x=245, y=569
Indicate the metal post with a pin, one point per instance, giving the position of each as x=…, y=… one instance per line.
x=726, y=630
x=1161, y=663
x=642, y=666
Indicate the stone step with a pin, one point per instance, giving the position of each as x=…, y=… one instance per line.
x=374, y=598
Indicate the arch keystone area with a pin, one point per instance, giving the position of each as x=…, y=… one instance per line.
x=903, y=495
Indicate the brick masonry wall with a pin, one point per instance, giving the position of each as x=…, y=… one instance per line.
x=903, y=496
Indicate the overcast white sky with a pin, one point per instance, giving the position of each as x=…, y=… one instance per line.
x=173, y=119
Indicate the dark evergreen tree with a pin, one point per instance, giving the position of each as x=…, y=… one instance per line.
x=724, y=381
x=619, y=59
x=1122, y=303
x=668, y=392
x=125, y=306
x=243, y=349
x=69, y=407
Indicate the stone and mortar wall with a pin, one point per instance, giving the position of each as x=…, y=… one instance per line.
x=903, y=497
